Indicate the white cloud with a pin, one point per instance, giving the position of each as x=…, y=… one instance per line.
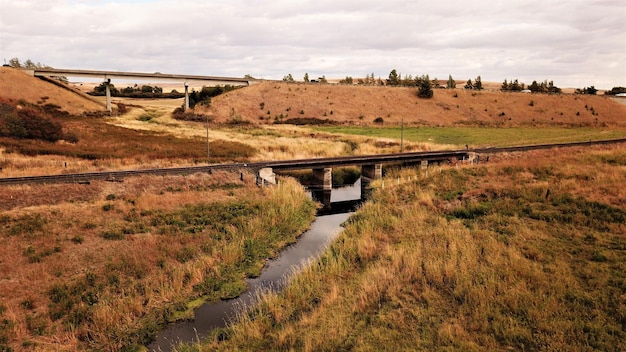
x=575, y=43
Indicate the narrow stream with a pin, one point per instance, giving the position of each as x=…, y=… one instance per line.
x=309, y=246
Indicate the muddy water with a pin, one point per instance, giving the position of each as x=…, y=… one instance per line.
x=309, y=246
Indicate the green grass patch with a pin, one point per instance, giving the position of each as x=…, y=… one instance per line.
x=481, y=136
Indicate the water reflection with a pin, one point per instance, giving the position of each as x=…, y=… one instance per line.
x=341, y=202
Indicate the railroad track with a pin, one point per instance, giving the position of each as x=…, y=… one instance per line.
x=289, y=164
x=526, y=148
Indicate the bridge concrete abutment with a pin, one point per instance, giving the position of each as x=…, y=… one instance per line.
x=369, y=173
x=373, y=172
x=323, y=178
x=322, y=186
x=266, y=176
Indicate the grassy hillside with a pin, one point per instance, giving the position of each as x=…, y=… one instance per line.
x=269, y=102
x=17, y=85
x=526, y=252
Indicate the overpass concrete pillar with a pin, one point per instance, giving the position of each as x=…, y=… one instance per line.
x=186, y=96
x=323, y=178
x=107, y=88
x=372, y=172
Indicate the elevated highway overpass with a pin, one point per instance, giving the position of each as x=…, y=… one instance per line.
x=108, y=76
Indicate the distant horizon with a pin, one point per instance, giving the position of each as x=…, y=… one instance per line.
x=331, y=80
x=576, y=44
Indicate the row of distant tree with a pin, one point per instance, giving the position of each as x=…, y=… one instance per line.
x=28, y=64
x=397, y=80
x=136, y=91
x=543, y=87
x=202, y=96
x=593, y=90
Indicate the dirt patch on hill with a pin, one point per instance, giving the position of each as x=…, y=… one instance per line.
x=269, y=102
x=17, y=85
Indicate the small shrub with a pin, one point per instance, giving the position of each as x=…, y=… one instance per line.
x=121, y=108
x=89, y=226
x=145, y=117
x=299, y=121
x=71, y=137
x=472, y=211
x=28, y=224
x=185, y=255
x=113, y=235
x=598, y=256
x=108, y=207
x=78, y=239
x=180, y=114
x=36, y=324
x=28, y=304
x=379, y=120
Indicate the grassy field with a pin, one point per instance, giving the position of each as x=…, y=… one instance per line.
x=523, y=253
x=526, y=252
x=481, y=136
x=102, y=266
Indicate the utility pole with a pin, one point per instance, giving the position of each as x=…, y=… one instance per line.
x=402, y=136
x=208, y=153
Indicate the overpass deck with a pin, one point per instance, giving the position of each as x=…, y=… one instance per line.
x=157, y=76
x=107, y=76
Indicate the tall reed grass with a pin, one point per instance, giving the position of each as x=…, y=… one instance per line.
x=471, y=259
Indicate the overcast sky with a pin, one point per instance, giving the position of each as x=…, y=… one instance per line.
x=575, y=43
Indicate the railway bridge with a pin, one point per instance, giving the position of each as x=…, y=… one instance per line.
x=371, y=166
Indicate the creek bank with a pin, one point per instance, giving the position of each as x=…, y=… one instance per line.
x=274, y=276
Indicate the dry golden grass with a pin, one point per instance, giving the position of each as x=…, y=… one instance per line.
x=385, y=283
x=424, y=267
x=349, y=104
x=273, y=142
x=360, y=105
x=98, y=241
x=17, y=85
